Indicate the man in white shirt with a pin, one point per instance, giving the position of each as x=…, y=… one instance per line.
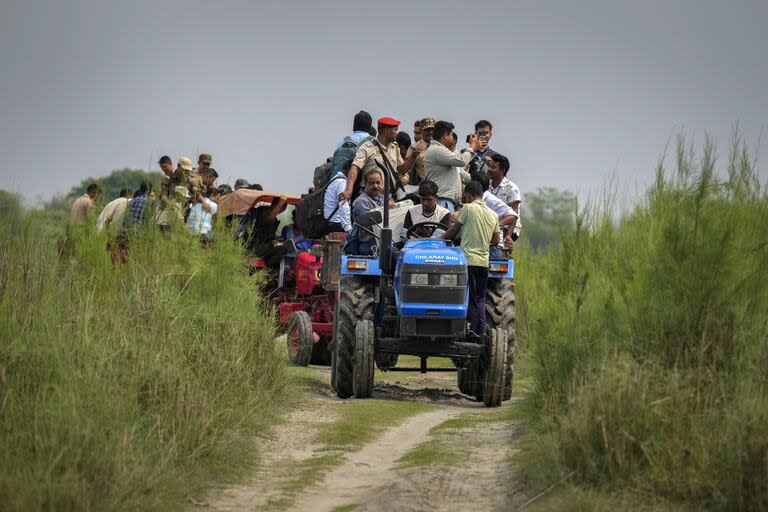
x=114, y=211
x=335, y=209
x=427, y=211
x=200, y=219
x=503, y=188
x=441, y=165
x=507, y=216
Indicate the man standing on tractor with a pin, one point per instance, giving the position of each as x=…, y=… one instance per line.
x=369, y=156
x=442, y=165
x=420, y=148
x=417, y=131
x=503, y=188
x=479, y=227
x=483, y=132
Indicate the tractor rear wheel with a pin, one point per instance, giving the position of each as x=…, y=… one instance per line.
x=500, y=314
x=355, y=304
x=495, y=368
x=364, y=360
x=300, y=339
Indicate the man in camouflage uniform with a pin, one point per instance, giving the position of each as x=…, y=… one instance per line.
x=419, y=149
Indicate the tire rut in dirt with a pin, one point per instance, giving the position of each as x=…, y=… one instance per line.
x=354, y=305
x=500, y=313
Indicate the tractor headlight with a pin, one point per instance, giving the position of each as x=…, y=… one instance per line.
x=420, y=279
x=499, y=267
x=449, y=279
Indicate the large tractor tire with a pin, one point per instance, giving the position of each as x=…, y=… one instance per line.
x=495, y=368
x=364, y=360
x=500, y=314
x=470, y=378
x=300, y=339
x=355, y=304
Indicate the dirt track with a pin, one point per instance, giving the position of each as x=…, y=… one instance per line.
x=468, y=460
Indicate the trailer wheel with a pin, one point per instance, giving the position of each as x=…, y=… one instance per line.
x=495, y=368
x=299, y=338
x=364, y=360
x=355, y=304
x=500, y=314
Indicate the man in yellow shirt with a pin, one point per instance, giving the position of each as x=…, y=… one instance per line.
x=479, y=227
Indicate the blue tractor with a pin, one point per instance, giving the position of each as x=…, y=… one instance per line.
x=415, y=303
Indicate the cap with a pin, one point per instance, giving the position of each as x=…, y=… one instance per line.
x=428, y=122
x=388, y=121
x=205, y=157
x=185, y=163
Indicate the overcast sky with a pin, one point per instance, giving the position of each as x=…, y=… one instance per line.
x=576, y=90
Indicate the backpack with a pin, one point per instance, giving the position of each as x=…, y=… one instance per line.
x=344, y=154
x=322, y=175
x=310, y=215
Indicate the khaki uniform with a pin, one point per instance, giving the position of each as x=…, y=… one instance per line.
x=369, y=153
x=418, y=166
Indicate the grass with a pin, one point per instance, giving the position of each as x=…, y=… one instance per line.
x=647, y=339
x=128, y=387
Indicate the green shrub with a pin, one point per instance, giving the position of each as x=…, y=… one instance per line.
x=125, y=387
x=648, y=339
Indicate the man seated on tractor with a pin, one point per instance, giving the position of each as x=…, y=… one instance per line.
x=479, y=227
x=427, y=211
x=361, y=242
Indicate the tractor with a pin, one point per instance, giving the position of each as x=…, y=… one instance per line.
x=415, y=303
x=304, y=288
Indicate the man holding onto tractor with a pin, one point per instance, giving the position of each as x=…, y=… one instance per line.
x=479, y=227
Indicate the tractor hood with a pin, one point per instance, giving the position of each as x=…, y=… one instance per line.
x=431, y=281
x=431, y=252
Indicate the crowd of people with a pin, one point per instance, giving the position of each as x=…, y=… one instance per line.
x=457, y=195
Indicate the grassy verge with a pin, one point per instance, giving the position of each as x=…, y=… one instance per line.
x=125, y=387
x=647, y=341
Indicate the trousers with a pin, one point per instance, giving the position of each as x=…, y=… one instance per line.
x=477, y=282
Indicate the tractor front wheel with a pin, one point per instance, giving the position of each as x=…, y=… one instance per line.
x=470, y=378
x=299, y=338
x=495, y=368
x=355, y=304
x=364, y=360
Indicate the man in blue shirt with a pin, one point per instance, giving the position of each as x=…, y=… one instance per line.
x=361, y=129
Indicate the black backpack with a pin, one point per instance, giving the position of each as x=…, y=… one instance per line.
x=322, y=175
x=310, y=215
x=345, y=153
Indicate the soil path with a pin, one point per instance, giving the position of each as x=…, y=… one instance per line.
x=474, y=470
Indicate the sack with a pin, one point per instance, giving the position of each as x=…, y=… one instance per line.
x=310, y=215
x=322, y=175
x=346, y=153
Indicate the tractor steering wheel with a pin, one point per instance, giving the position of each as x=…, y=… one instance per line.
x=419, y=229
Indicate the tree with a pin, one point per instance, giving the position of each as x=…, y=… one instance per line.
x=112, y=184
x=546, y=213
x=11, y=211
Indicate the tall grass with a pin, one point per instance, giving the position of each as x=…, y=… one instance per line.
x=125, y=387
x=648, y=340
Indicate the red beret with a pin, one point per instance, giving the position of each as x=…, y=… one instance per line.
x=388, y=121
